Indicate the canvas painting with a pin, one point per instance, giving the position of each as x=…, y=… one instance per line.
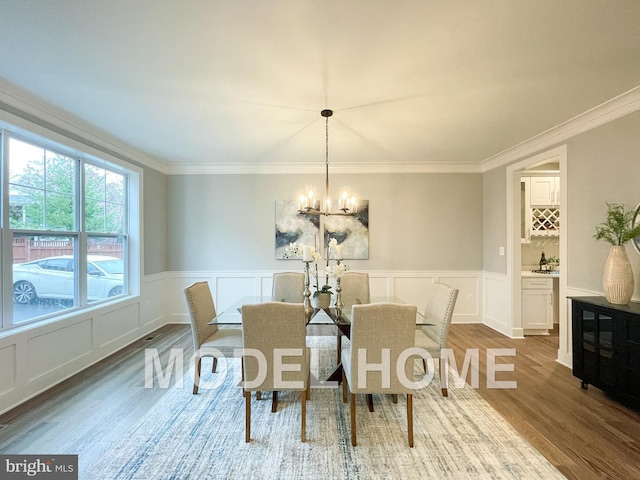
x=292, y=227
x=350, y=232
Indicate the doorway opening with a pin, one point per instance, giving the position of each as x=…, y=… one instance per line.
x=525, y=247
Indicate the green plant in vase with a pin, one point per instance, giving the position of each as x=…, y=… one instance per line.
x=617, y=230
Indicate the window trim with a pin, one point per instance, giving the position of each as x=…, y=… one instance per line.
x=132, y=256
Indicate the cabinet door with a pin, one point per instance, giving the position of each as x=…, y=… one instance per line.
x=544, y=191
x=537, y=309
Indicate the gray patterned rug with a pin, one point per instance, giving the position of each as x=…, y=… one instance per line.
x=187, y=436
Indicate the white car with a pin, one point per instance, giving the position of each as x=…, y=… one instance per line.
x=53, y=277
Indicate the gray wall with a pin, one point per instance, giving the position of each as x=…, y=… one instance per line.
x=494, y=219
x=155, y=221
x=417, y=221
x=603, y=165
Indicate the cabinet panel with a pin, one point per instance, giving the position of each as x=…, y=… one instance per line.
x=537, y=309
x=544, y=191
x=606, y=347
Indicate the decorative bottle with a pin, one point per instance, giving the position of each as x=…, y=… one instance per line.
x=543, y=263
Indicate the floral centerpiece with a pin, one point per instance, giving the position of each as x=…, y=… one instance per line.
x=322, y=295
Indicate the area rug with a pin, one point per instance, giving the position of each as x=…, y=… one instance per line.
x=186, y=436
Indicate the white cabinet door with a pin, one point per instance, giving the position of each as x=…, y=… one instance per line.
x=537, y=303
x=537, y=309
x=544, y=191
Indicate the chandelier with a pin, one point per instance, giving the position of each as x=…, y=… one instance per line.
x=310, y=204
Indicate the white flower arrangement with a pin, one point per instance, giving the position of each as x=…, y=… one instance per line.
x=336, y=271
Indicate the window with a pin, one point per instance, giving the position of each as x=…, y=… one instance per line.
x=68, y=229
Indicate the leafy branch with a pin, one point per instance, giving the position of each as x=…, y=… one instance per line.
x=618, y=229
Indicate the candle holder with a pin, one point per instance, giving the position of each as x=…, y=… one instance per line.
x=307, y=292
x=339, y=302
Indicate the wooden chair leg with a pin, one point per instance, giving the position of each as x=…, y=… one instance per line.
x=424, y=365
x=258, y=395
x=339, y=347
x=410, y=418
x=353, y=419
x=443, y=375
x=196, y=376
x=394, y=397
x=344, y=387
x=215, y=365
x=274, y=401
x=247, y=425
x=370, y=401
x=304, y=416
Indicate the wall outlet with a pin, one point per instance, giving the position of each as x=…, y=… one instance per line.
x=501, y=251
x=469, y=296
x=147, y=304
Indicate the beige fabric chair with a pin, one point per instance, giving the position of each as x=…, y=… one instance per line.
x=269, y=328
x=288, y=287
x=201, y=311
x=355, y=291
x=441, y=300
x=376, y=328
x=355, y=288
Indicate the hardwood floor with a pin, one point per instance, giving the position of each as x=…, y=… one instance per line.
x=584, y=434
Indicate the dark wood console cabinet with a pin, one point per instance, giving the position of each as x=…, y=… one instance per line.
x=606, y=347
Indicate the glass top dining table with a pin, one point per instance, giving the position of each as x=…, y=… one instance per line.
x=232, y=315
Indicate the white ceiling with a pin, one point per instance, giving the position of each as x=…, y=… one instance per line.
x=448, y=83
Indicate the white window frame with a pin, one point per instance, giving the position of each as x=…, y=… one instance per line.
x=50, y=140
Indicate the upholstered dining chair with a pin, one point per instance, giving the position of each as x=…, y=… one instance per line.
x=276, y=330
x=379, y=331
x=201, y=311
x=288, y=287
x=441, y=300
x=355, y=288
x=355, y=291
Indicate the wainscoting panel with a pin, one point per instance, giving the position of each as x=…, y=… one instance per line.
x=227, y=287
x=116, y=324
x=36, y=357
x=50, y=351
x=8, y=370
x=497, y=304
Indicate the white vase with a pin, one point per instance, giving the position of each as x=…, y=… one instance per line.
x=321, y=301
x=617, y=277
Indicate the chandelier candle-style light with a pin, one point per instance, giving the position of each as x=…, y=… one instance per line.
x=310, y=204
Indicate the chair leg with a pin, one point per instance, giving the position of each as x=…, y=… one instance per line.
x=344, y=387
x=410, y=418
x=258, y=395
x=353, y=419
x=196, y=376
x=247, y=424
x=424, y=365
x=394, y=397
x=215, y=365
x=443, y=375
x=339, y=347
x=370, y=401
x=274, y=401
x=304, y=416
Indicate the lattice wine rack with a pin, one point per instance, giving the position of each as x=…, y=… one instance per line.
x=545, y=221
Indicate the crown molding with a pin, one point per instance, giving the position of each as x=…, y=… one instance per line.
x=26, y=110
x=606, y=112
x=300, y=168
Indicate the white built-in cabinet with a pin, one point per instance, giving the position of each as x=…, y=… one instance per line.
x=537, y=304
x=544, y=191
x=540, y=214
